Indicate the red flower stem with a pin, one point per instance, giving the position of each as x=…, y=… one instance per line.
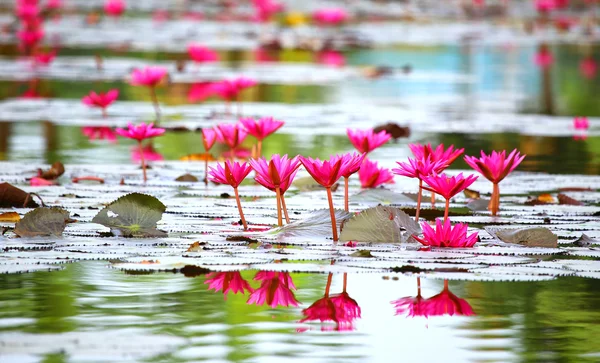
x=88, y=178
x=346, y=193
x=332, y=212
x=239, y=108
x=104, y=113
x=446, y=210
x=445, y=284
x=259, y=149
x=206, y=171
x=418, y=285
x=143, y=160
x=495, y=201
x=155, y=103
x=284, y=207
x=328, y=286
x=419, y=196
x=239, y=205
x=345, y=280
x=432, y=200
x=227, y=109
x=278, y=194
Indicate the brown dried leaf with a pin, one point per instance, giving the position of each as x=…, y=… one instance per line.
x=10, y=217
x=56, y=170
x=11, y=196
x=566, y=200
x=196, y=247
x=198, y=157
x=473, y=194
x=393, y=129
x=43, y=222
x=540, y=200
x=186, y=178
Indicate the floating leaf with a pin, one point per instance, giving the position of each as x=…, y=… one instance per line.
x=10, y=217
x=56, y=170
x=478, y=205
x=133, y=215
x=566, y=200
x=186, y=178
x=362, y=253
x=585, y=241
x=381, y=225
x=11, y=196
x=530, y=237
x=318, y=223
x=540, y=200
x=42, y=222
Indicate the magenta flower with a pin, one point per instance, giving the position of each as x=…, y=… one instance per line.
x=265, y=9
x=209, y=137
x=101, y=100
x=411, y=306
x=99, y=133
x=202, y=54
x=275, y=290
x=140, y=133
x=229, y=89
x=372, y=176
x=419, y=168
x=332, y=16
x=114, y=8
x=30, y=38
x=148, y=76
x=27, y=11
x=43, y=58
x=366, y=141
x=545, y=6
x=543, y=58
x=261, y=128
x=200, y=91
x=331, y=58
x=351, y=165
x=446, y=303
x=233, y=174
x=581, y=123
x=422, y=152
x=228, y=281
x=588, y=68
x=147, y=153
x=233, y=135
x=445, y=235
x=495, y=167
x=277, y=175
x=327, y=173
x=447, y=186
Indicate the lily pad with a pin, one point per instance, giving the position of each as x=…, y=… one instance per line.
x=317, y=223
x=380, y=225
x=530, y=237
x=42, y=222
x=133, y=215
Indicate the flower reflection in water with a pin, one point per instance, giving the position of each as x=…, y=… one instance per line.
x=149, y=154
x=228, y=281
x=444, y=303
x=99, y=133
x=275, y=290
x=339, y=308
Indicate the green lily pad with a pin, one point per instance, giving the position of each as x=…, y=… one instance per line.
x=133, y=215
x=42, y=222
x=380, y=225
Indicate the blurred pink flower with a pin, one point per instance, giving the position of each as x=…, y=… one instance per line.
x=228, y=281
x=140, y=132
x=209, y=136
x=101, y=100
x=543, y=58
x=30, y=38
x=99, y=133
x=160, y=15
x=54, y=4
x=148, y=153
x=200, y=91
x=233, y=173
x=262, y=55
x=147, y=76
x=411, y=306
x=330, y=16
x=43, y=58
x=545, y=6
x=275, y=290
x=202, y=54
x=265, y=9
x=229, y=89
x=261, y=128
x=27, y=11
x=114, y=8
x=372, y=176
x=581, y=123
x=446, y=235
x=588, y=68
x=366, y=141
x=331, y=58
x=233, y=135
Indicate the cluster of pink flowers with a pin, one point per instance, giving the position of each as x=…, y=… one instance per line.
x=31, y=31
x=330, y=16
x=264, y=10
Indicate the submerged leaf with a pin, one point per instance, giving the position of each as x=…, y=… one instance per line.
x=381, y=225
x=11, y=196
x=530, y=237
x=133, y=215
x=42, y=222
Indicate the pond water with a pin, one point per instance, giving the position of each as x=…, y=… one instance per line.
x=476, y=96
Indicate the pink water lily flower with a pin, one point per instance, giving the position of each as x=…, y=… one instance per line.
x=148, y=76
x=545, y=6
x=30, y=38
x=448, y=156
x=447, y=186
x=446, y=303
x=581, y=123
x=261, y=128
x=99, y=133
x=146, y=153
x=229, y=89
x=277, y=175
x=114, y=8
x=265, y=9
x=372, y=176
x=209, y=137
x=200, y=91
x=543, y=58
x=352, y=164
x=232, y=173
x=588, y=68
x=100, y=99
x=43, y=58
x=495, y=167
x=366, y=141
x=139, y=133
x=202, y=54
x=233, y=135
x=446, y=235
x=275, y=290
x=228, y=282
x=330, y=16
x=331, y=58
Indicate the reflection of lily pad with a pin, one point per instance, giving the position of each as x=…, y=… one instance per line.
x=133, y=215
x=42, y=222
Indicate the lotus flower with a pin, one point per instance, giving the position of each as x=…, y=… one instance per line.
x=99, y=133
x=277, y=175
x=445, y=235
x=28, y=39
x=366, y=141
x=209, y=137
x=275, y=290
x=543, y=58
x=233, y=174
x=447, y=186
x=101, y=100
x=420, y=168
x=372, y=176
x=581, y=123
x=233, y=135
x=149, y=77
x=230, y=89
x=332, y=16
x=495, y=167
x=140, y=133
x=412, y=306
x=331, y=58
x=327, y=173
x=261, y=128
x=43, y=58
x=147, y=153
x=202, y=54
x=352, y=165
x=228, y=281
x=25, y=11
x=265, y=9
x=200, y=91
x=447, y=156
x=114, y=8
x=588, y=68
x=545, y=6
